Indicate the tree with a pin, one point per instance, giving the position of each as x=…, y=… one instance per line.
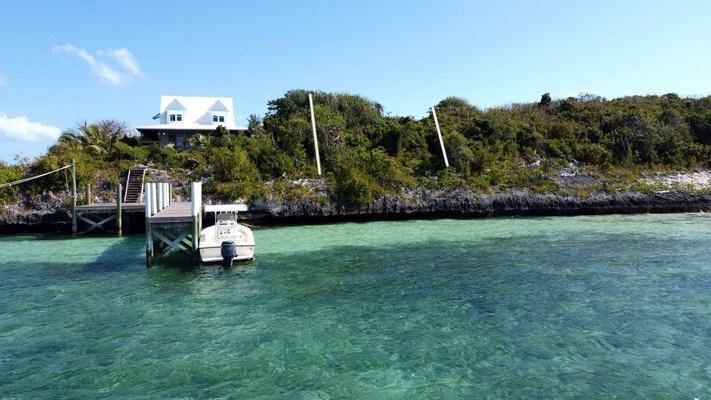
x=198, y=141
x=98, y=138
x=255, y=126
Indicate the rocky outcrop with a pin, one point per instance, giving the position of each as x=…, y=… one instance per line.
x=41, y=213
x=465, y=203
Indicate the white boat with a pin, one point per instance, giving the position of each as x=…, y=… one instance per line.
x=226, y=229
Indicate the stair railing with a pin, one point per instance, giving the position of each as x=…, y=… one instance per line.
x=143, y=178
x=128, y=184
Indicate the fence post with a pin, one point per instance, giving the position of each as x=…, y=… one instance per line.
x=74, y=199
x=119, y=199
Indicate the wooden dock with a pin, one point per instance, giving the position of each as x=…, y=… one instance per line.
x=172, y=226
x=98, y=215
x=169, y=225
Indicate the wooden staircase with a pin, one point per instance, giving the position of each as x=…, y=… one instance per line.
x=134, y=185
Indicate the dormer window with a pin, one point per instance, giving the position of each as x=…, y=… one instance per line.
x=175, y=116
x=218, y=117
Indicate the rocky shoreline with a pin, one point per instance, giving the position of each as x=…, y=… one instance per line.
x=49, y=213
x=465, y=203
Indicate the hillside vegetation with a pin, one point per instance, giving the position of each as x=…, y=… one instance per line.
x=366, y=153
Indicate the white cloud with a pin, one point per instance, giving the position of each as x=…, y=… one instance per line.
x=111, y=76
x=125, y=59
x=21, y=129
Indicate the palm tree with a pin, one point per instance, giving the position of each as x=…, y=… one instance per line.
x=98, y=138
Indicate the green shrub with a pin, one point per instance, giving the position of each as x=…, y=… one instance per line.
x=124, y=152
x=356, y=186
x=449, y=179
x=9, y=174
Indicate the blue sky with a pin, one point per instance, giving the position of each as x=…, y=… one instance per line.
x=63, y=62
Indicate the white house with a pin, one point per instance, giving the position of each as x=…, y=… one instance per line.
x=181, y=117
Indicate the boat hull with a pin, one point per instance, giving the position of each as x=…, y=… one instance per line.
x=214, y=253
x=211, y=238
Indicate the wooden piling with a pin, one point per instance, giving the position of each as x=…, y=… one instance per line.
x=196, y=209
x=149, y=197
x=74, y=199
x=159, y=196
x=87, y=195
x=119, y=199
x=154, y=203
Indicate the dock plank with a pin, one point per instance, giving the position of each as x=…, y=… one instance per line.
x=178, y=212
x=111, y=207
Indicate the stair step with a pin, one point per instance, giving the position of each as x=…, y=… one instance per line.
x=134, y=184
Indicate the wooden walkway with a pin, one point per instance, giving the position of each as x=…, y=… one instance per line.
x=177, y=213
x=98, y=215
x=111, y=207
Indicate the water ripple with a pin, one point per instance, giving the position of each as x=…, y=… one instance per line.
x=501, y=308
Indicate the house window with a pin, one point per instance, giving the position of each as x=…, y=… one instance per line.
x=172, y=138
x=218, y=117
x=175, y=115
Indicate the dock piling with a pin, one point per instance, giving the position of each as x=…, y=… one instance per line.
x=119, y=198
x=149, y=198
x=171, y=226
x=74, y=199
x=196, y=211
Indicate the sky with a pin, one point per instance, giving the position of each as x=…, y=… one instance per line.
x=65, y=62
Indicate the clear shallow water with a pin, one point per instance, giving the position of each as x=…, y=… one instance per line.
x=501, y=308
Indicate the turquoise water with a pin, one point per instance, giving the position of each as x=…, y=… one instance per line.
x=575, y=307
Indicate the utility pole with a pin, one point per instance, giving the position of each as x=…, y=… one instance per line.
x=313, y=125
x=439, y=134
x=74, y=199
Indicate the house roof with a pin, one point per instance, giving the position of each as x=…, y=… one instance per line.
x=195, y=103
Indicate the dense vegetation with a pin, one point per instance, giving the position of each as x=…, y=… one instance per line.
x=366, y=153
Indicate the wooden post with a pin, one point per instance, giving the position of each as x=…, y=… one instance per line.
x=154, y=203
x=149, y=234
x=196, y=208
x=439, y=134
x=313, y=125
x=166, y=194
x=74, y=199
x=87, y=195
x=119, y=198
x=159, y=194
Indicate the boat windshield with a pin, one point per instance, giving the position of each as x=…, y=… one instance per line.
x=226, y=226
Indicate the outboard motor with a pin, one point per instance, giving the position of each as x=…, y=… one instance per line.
x=229, y=251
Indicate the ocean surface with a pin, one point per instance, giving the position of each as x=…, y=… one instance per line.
x=560, y=307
